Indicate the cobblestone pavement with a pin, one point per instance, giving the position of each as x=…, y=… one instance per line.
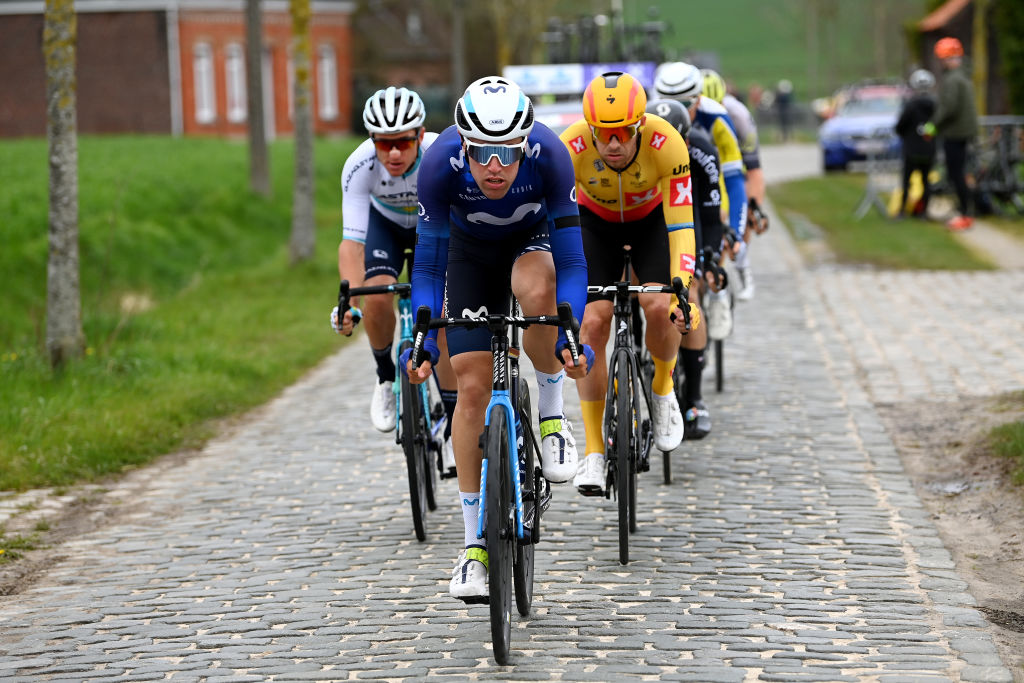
x=790, y=546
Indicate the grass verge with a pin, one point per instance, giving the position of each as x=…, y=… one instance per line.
x=827, y=205
x=1008, y=441
x=190, y=308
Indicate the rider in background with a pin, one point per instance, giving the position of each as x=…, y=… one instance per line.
x=684, y=83
x=498, y=212
x=705, y=172
x=746, y=134
x=378, y=185
x=632, y=175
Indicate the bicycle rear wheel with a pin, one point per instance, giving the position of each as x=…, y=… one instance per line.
x=623, y=454
x=522, y=564
x=500, y=534
x=415, y=447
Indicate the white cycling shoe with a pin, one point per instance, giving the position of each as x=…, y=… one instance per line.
x=591, y=475
x=668, y=422
x=383, y=407
x=746, y=293
x=719, y=315
x=469, y=579
x=557, y=450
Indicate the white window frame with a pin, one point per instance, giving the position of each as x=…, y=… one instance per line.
x=204, y=81
x=327, y=82
x=234, y=80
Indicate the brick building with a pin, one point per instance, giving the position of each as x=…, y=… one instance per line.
x=174, y=67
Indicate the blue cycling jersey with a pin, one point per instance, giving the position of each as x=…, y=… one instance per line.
x=544, y=190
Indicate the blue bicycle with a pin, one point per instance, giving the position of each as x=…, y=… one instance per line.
x=513, y=491
x=421, y=423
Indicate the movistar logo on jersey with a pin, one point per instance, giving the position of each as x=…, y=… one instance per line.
x=458, y=163
x=521, y=212
x=478, y=314
x=533, y=152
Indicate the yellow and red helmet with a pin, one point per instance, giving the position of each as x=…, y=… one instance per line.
x=949, y=47
x=614, y=99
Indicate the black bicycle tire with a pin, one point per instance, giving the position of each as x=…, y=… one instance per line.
x=523, y=561
x=431, y=458
x=411, y=446
x=500, y=535
x=623, y=454
x=633, y=471
x=719, y=365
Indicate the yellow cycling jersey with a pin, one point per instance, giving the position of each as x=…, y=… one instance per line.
x=660, y=172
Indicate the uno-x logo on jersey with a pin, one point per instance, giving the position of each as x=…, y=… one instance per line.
x=686, y=263
x=638, y=198
x=578, y=144
x=657, y=140
x=478, y=314
x=682, y=192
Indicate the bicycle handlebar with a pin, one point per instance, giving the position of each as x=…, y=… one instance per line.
x=497, y=323
x=346, y=292
x=623, y=289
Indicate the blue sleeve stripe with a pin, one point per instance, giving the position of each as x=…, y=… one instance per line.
x=672, y=227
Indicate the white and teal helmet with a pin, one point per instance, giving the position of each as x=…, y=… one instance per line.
x=494, y=109
x=393, y=110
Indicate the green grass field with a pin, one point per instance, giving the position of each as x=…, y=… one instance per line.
x=190, y=309
x=828, y=203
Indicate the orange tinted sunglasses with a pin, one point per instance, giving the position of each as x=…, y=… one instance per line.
x=401, y=144
x=623, y=133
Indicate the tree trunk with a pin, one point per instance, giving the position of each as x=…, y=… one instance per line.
x=259, y=172
x=303, y=238
x=64, y=337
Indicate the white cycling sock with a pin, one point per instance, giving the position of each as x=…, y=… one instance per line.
x=470, y=515
x=549, y=394
x=743, y=258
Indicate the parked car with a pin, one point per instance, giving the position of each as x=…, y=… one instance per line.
x=863, y=124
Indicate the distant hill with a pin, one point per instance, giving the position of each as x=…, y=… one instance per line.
x=763, y=41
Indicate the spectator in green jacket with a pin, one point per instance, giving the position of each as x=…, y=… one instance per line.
x=956, y=121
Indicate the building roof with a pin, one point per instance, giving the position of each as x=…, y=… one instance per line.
x=942, y=15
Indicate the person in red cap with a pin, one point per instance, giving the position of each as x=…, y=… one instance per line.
x=956, y=121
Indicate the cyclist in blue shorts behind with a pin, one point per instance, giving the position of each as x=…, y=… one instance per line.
x=498, y=212
x=378, y=185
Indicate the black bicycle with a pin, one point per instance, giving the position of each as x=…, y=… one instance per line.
x=628, y=429
x=513, y=491
x=421, y=424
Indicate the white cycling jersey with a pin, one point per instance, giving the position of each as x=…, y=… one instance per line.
x=366, y=183
x=743, y=123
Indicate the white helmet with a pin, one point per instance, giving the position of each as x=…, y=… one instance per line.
x=921, y=79
x=494, y=109
x=678, y=81
x=393, y=110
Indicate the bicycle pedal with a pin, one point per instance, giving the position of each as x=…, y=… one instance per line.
x=476, y=599
x=590, y=491
x=449, y=474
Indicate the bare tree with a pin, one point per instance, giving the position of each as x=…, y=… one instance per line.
x=303, y=239
x=64, y=337
x=259, y=172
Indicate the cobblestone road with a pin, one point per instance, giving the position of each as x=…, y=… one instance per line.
x=790, y=547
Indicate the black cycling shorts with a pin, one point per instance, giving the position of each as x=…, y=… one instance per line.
x=603, y=242
x=479, y=280
x=386, y=242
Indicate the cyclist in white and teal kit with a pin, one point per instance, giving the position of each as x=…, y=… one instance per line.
x=379, y=205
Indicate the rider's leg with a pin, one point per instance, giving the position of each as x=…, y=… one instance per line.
x=696, y=418
x=597, y=319
x=379, y=318
x=533, y=283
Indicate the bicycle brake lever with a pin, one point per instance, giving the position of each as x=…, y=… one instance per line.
x=420, y=330
x=572, y=330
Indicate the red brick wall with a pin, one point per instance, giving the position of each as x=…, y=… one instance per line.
x=221, y=28
x=118, y=90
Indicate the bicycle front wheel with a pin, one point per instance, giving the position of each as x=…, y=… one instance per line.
x=500, y=533
x=623, y=454
x=522, y=564
x=415, y=447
